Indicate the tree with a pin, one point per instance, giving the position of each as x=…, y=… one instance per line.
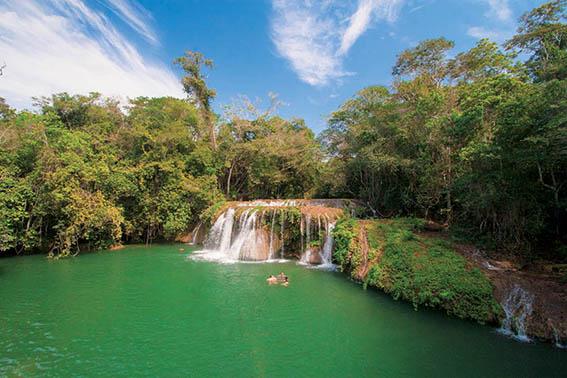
x=195, y=86
x=427, y=59
x=482, y=61
x=542, y=34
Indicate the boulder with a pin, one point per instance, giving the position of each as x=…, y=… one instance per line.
x=313, y=256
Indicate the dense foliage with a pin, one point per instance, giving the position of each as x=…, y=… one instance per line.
x=425, y=272
x=82, y=173
x=478, y=141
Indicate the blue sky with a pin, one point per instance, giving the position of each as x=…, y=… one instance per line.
x=314, y=54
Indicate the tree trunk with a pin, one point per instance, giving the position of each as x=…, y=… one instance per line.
x=211, y=125
x=229, y=177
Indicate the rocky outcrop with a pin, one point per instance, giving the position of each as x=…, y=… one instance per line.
x=536, y=298
x=196, y=235
x=406, y=259
x=389, y=256
x=312, y=255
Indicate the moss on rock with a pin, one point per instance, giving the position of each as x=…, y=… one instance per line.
x=391, y=256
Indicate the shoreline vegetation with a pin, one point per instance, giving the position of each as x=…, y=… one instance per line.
x=388, y=255
x=474, y=142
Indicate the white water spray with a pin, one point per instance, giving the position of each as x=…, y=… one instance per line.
x=282, y=229
x=517, y=306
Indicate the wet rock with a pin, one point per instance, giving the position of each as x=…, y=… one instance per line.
x=184, y=237
x=312, y=256
x=199, y=234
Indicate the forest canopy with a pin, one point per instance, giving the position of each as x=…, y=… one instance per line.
x=477, y=142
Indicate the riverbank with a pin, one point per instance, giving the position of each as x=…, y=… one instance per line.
x=400, y=258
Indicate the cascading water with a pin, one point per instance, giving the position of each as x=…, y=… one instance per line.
x=517, y=307
x=301, y=228
x=322, y=255
x=228, y=243
x=327, y=250
x=271, y=251
x=196, y=233
x=246, y=238
x=243, y=232
x=308, y=229
x=282, y=229
x=213, y=239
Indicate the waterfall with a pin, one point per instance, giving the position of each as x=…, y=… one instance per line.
x=241, y=232
x=271, y=251
x=517, y=307
x=306, y=256
x=227, y=231
x=323, y=256
x=282, y=229
x=228, y=242
x=308, y=229
x=318, y=227
x=301, y=228
x=246, y=238
x=327, y=250
x=213, y=239
x=196, y=233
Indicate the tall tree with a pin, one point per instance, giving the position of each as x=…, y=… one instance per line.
x=195, y=86
x=542, y=34
x=427, y=60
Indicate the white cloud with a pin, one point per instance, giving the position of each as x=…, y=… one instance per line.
x=64, y=45
x=136, y=17
x=480, y=32
x=415, y=9
x=315, y=35
x=500, y=14
x=361, y=19
x=500, y=10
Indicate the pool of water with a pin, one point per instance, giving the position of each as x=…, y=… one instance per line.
x=156, y=312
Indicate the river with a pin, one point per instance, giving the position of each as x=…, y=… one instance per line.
x=157, y=312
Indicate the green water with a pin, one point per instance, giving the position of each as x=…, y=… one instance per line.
x=154, y=312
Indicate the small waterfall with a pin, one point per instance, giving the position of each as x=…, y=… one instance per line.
x=196, y=233
x=318, y=227
x=301, y=230
x=282, y=229
x=246, y=237
x=327, y=250
x=213, y=239
x=323, y=255
x=226, y=235
x=517, y=306
x=306, y=256
x=558, y=343
x=271, y=251
x=228, y=242
x=308, y=229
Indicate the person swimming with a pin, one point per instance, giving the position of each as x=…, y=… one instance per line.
x=285, y=281
x=272, y=279
x=281, y=275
